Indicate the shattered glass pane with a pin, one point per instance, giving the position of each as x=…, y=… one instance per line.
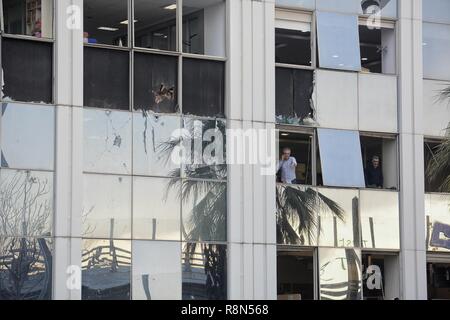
x=204, y=149
x=156, y=279
x=106, y=78
x=155, y=82
x=25, y=268
x=340, y=274
x=203, y=87
x=106, y=206
x=27, y=70
x=26, y=203
x=204, y=271
x=156, y=208
x=107, y=141
x=294, y=92
x=106, y=270
x=437, y=211
x=28, y=136
x=156, y=141
x=204, y=210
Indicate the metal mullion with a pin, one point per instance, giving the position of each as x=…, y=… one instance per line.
x=131, y=55
x=25, y=37
x=204, y=57
x=313, y=42
x=293, y=66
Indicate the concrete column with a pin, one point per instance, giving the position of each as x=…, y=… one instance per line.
x=69, y=146
x=412, y=211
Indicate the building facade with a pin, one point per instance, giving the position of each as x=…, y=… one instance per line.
x=118, y=180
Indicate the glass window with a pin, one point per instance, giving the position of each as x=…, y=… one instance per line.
x=156, y=213
x=156, y=279
x=380, y=220
x=107, y=206
x=26, y=269
x=294, y=91
x=338, y=41
x=436, y=11
x=340, y=155
x=340, y=274
x=339, y=224
x=155, y=24
x=436, y=169
x=155, y=82
x=380, y=277
x=437, y=211
x=28, y=136
x=106, y=270
x=204, y=27
x=204, y=146
x=204, y=210
x=27, y=70
x=156, y=139
x=107, y=141
x=203, y=87
x=385, y=8
x=28, y=17
x=106, y=78
x=26, y=203
x=378, y=52
x=436, y=45
x=106, y=22
x=304, y=4
x=293, y=46
x=204, y=271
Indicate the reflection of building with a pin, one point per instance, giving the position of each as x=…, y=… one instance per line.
x=101, y=110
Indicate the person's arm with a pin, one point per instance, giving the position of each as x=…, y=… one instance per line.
x=294, y=162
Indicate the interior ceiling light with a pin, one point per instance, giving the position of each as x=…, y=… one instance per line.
x=285, y=134
x=365, y=59
x=107, y=29
x=170, y=7
x=126, y=21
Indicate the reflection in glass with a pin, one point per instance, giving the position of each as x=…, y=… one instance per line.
x=25, y=269
x=436, y=45
x=155, y=24
x=107, y=206
x=437, y=211
x=156, y=209
x=204, y=142
x=30, y=18
x=26, y=203
x=106, y=270
x=106, y=23
x=380, y=220
x=343, y=230
x=107, y=141
x=340, y=274
x=156, y=270
x=204, y=27
x=155, y=140
x=204, y=271
x=385, y=8
x=338, y=41
x=28, y=136
x=347, y=6
x=341, y=160
x=204, y=210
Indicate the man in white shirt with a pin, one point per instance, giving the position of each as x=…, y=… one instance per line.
x=287, y=167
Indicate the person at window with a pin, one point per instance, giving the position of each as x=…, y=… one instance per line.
x=374, y=174
x=286, y=167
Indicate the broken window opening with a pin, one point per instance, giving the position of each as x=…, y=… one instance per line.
x=438, y=280
x=293, y=46
x=380, y=276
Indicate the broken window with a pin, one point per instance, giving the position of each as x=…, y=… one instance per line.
x=380, y=276
x=438, y=280
x=340, y=274
x=106, y=22
x=156, y=279
x=106, y=270
x=28, y=17
x=203, y=87
x=437, y=222
x=436, y=45
x=28, y=136
x=204, y=27
x=341, y=161
x=377, y=45
x=155, y=82
x=295, y=275
x=380, y=161
x=26, y=272
x=293, y=46
x=106, y=206
x=380, y=219
x=156, y=214
x=294, y=91
x=155, y=24
x=338, y=41
x=27, y=70
x=204, y=271
x=107, y=141
x=435, y=179
x=106, y=78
